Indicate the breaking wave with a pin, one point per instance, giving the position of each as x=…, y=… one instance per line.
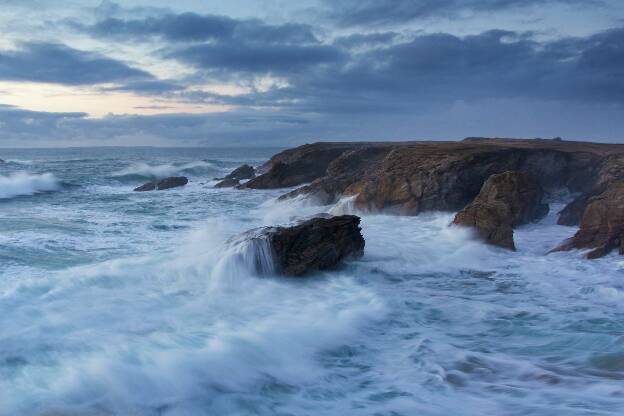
x=23, y=183
x=144, y=170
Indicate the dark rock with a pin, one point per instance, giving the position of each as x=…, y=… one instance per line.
x=299, y=165
x=167, y=183
x=506, y=200
x=242, y=172
x=411, y=177
x=227, y=183
x=602, y=226
x=316, y=244
x=572, y=213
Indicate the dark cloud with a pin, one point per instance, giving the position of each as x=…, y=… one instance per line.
x=56, y=63
x=254, y=58
x=439, y=69
x=192, y=27
x=376, y=12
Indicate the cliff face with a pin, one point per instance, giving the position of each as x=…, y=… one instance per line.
x=408, y=178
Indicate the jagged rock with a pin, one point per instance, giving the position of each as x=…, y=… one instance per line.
x=572, y=213
x=316, y=244
x=411, y=177
x=506, y=200
x=167, y=183
x=242, y=172
x=227, y=183
x=602, y=226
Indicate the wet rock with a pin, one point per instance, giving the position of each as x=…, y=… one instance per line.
x=602, y=225
x=228, y=183
x=167, y=183
x=299, y=165
x=506, y=200
x=572, y=213
x=408, y=178
x=242, y=172
x=316, y=244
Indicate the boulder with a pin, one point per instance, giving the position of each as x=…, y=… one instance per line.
x=162, y=184
x=318, y=243
x=227, y=183
x=505, y=201
x=602, y=225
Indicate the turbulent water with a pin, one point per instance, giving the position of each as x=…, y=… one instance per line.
x=121, y=303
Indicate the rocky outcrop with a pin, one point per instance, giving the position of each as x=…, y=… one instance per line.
x=411, y=177
x=506, y=200
x=602, y=225
x=227, y=183
x=300, y=165
x=242, y=172
x=167, y=183
x=316, y=244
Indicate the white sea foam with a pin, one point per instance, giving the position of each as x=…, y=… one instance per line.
x=164, y=170
x=180, y=322
x=23, y=183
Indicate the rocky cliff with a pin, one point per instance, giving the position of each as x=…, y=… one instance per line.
x=408, y=178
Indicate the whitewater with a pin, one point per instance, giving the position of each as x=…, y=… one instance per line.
x=122, y=303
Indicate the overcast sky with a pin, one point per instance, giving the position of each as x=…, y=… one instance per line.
x=277, y=72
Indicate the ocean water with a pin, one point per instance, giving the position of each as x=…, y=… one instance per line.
x=121, y=303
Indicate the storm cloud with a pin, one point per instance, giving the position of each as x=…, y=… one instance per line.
x=60, y=64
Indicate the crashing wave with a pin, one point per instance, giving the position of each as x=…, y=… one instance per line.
x=23, y=183
x=143, y=170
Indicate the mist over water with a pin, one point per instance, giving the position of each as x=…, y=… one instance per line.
x=119, y=303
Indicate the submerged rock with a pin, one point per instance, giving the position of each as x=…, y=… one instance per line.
x=506, y=200
x=602, y=225
x=167, y=183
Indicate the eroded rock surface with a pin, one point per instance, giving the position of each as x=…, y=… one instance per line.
x=506, y=200
x=602, y=225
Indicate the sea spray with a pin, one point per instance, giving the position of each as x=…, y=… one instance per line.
x=249, y=254
x=144, y=170
x=24, y=183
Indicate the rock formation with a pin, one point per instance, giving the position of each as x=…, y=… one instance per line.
x=602, y=225
x=411, y=177
x=227, y=183
x=505, y=201
x=242, y=172
x=408, y=178
x=316, y=244
x=162, y=184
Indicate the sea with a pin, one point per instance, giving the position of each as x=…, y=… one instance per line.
x=114, y=302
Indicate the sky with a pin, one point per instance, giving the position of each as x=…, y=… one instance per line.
x=279, y=73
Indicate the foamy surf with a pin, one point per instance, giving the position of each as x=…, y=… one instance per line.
x=116, y=304
x=23, y=183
